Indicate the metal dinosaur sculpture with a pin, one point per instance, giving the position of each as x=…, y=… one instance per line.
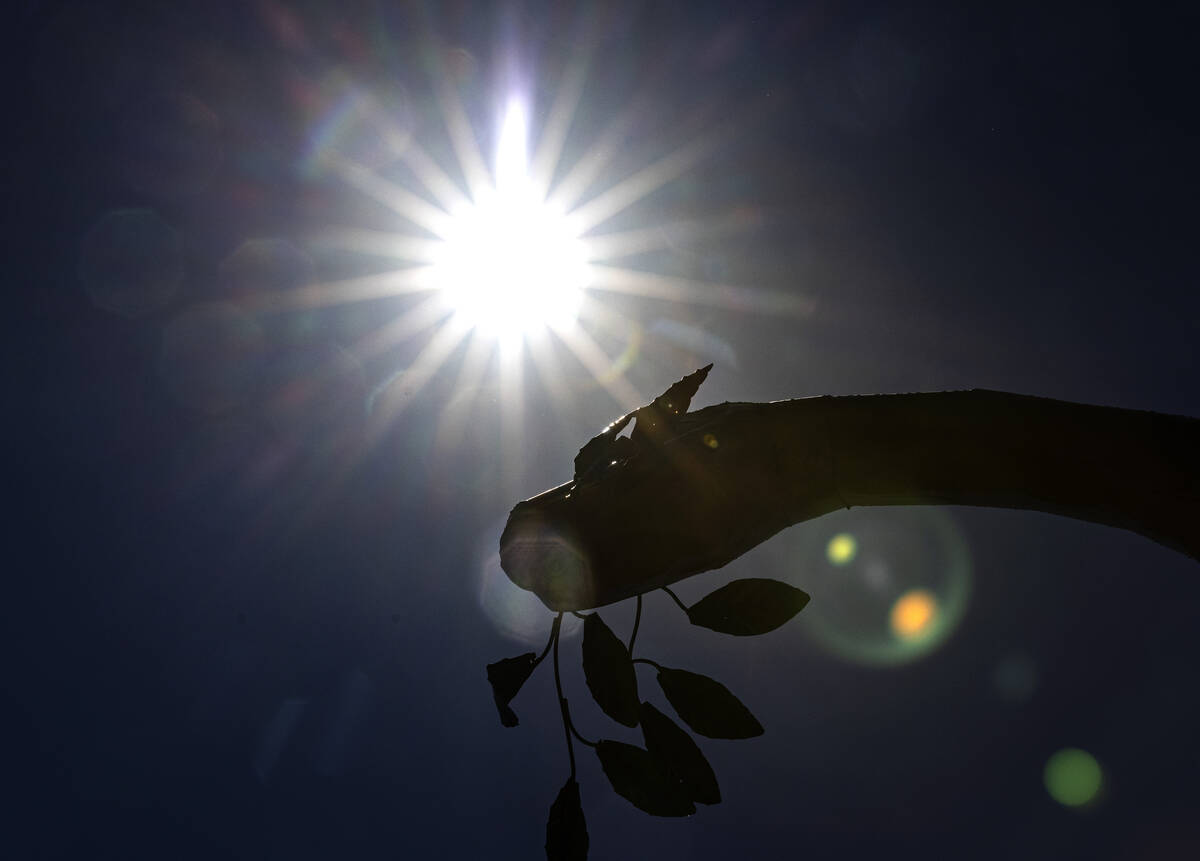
x=688, y=492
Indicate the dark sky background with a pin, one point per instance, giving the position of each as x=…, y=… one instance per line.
x=251, y=600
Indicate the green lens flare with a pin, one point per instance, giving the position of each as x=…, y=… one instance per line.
x=842, y=549
x=1073, y=777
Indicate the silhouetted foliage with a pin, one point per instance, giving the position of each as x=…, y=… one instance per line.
x=506, y=677
x=643, y=779
x=671, y=744
x=707, y=706
x=747, y=607
x=609, y=671
x=566, y=829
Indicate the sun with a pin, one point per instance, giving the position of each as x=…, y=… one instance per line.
x=509, y=264
x=496, y=268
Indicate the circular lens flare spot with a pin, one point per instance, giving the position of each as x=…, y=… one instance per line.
x=131, y=262
x=901, y=592
x=842, y=549
x=514, y=612
x=913, y=614
x=1073, y=777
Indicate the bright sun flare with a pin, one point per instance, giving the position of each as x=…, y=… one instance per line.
x=509, y=264
x=515, y=254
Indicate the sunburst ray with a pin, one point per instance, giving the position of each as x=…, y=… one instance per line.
x=411, y=323
x=395, y=197
x=624, y=194
x=593, y=358
x=326, y=294
x=436, y=181
x=628, y=243
x=378, y=243
x=420, y=371
x=732, y=297
x=558, y=123
x=462, y=138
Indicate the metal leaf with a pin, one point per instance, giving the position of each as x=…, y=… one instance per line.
x=655, y=417
x=707, y=706
x=609, y=671
x=506, y=677
x=669, y=742
x=678, y=397
x=746, y=607
x=643, y=779
x=566, y=829
x=597, y=452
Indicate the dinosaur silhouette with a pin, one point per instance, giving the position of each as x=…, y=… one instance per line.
x=688, y=492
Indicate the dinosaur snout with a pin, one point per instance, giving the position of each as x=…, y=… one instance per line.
x=541, y=553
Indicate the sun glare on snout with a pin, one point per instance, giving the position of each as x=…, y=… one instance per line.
x=509, y=264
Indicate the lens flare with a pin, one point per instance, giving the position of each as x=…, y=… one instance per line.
x=842, y=549
x=913, y=614
x=131, y=262
x=212, y=356
x=1073, y=777
x=888, y=585
x=514, y=612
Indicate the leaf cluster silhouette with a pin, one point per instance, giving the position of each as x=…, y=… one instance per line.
x=668, y=775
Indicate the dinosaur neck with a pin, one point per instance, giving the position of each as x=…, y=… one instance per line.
x=735, y=474
x=1125, y=468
